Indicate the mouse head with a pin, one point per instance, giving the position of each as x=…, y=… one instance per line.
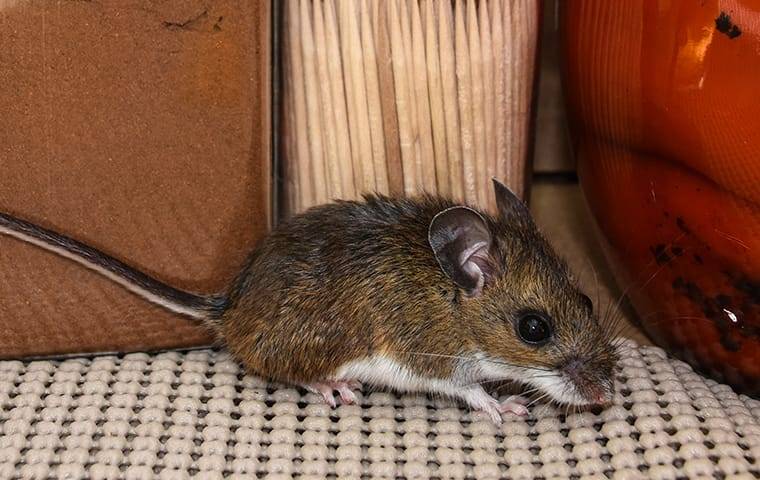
x=528, y=320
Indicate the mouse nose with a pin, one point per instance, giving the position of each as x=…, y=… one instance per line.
x=600, y=396
x=594, y=389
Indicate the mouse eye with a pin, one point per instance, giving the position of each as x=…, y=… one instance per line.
x=534, y=328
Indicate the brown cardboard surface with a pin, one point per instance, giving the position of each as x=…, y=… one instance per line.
x=140, y=128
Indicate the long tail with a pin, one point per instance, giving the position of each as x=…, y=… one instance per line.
x=196, y=306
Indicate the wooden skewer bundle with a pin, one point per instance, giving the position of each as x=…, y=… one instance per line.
x=403, y=96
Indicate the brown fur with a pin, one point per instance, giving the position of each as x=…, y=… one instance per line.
x=345, y=280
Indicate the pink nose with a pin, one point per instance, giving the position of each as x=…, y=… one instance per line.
x=600, y=397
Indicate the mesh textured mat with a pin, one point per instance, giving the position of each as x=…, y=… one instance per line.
x=195, y=415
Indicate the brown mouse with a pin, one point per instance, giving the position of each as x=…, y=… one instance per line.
x=412, y=294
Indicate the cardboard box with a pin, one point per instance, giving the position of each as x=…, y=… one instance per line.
x=142, y=129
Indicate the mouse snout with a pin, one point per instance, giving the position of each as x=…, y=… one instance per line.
x=590, y=380
x=599, y=396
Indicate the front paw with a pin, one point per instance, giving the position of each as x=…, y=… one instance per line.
x=514, y=404
x=478, y=399
x=493, y=410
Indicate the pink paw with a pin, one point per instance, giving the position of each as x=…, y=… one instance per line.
x=493, y=408
x=478, y=399
x=344, y=388
x=514, y=404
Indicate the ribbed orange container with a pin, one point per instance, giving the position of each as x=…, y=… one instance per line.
x=665, y=120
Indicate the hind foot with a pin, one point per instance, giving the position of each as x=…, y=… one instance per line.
x=345, y=390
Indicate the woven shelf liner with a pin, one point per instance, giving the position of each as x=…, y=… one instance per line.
x=180, y=415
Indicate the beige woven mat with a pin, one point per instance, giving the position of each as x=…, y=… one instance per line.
x=181, y=415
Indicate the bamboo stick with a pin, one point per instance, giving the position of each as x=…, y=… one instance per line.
x=489, y=97
x=510, y=106
x=497, y=31
x=330, y=141
x=312, y=106
x=518, y=46
x=403, y=103
x=437, y=115
x=373, y=100
x=351, y=114
x=406, y=40
x=303, y=161
x=350, y=27
x=290, y=193
x=424, y=131
x=344, y=157
x=391, y=133
x=478, y=116
x=464, y=89
x=450, y=107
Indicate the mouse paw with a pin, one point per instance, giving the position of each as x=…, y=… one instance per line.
x=514, y=404
x=479, y=400
x=322, y=389
x=345, y=390
x=493, y=411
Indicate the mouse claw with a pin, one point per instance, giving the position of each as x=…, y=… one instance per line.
x=493, y=412
x=324, y=390
x=344, y=388
x=515, y=404
x=479, y=400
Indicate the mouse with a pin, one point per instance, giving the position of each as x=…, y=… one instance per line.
x=411, y=294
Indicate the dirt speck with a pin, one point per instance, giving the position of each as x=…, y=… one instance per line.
x=724, y=25
x=660, y=254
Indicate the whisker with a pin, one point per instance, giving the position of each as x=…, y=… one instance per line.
x=596, y=277
x=615, y=307
x=666, y=317
x=485, y=382
x=732, y=238
x=538, y=399
x=471, y=359
x=531, y=391
x=482, y=382
x=511, y=380
x=522, y=392
x=546, y=375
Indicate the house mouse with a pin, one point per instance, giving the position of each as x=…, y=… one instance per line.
x=412, y=294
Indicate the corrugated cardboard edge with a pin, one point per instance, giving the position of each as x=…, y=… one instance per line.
x=140, y=327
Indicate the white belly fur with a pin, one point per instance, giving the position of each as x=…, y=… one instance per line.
x=381, y=371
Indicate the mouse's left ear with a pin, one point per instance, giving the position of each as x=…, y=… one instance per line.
x=511, y=208
x=461, y=241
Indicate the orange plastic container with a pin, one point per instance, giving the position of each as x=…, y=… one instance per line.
x=664, y=102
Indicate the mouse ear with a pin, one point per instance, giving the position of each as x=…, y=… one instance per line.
x=461, y=242
x=511, y=208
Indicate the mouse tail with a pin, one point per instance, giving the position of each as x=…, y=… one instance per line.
x=207, y=308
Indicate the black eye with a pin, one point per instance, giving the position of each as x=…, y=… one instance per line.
x=534, y=328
